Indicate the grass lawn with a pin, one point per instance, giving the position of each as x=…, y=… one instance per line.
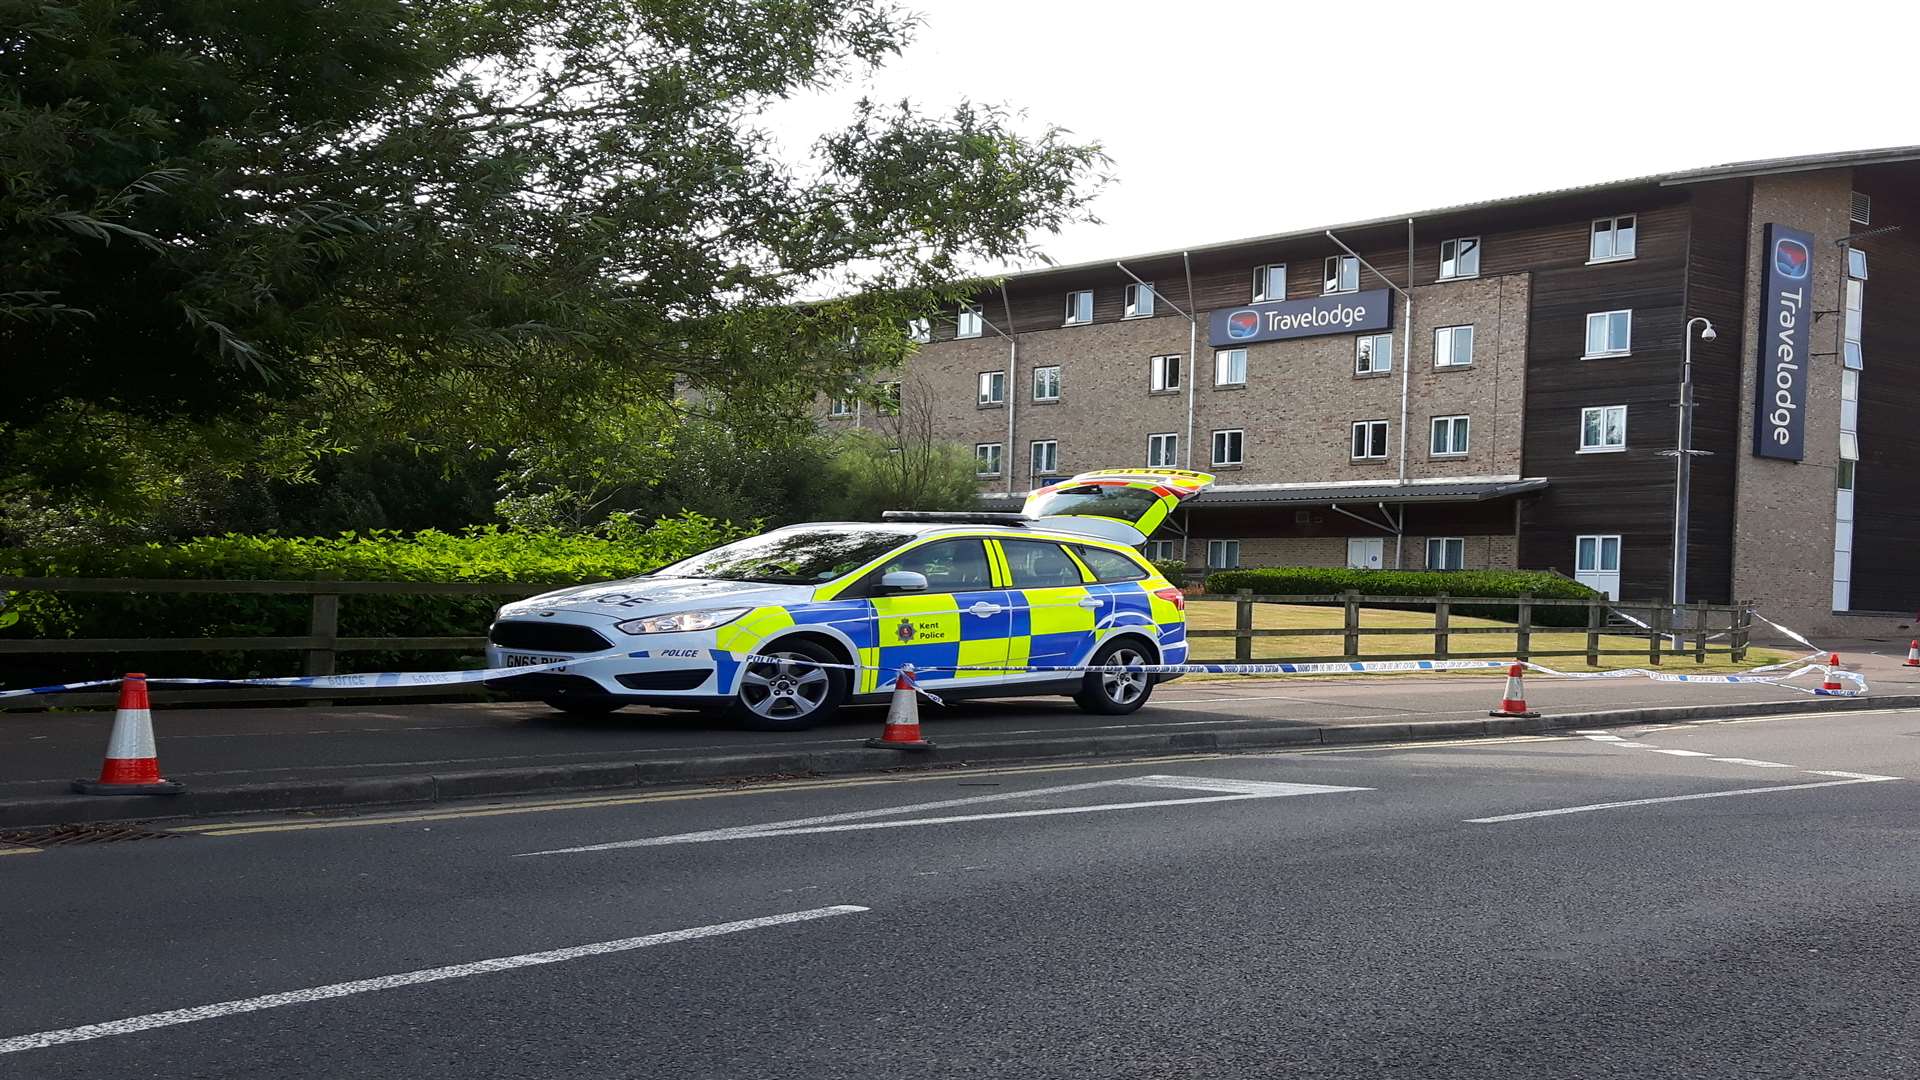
x=1205, y=614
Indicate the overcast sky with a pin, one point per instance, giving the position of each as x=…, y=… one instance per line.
x=1235, y=119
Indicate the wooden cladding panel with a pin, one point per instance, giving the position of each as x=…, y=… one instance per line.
x=1886, y=544
x=1716, y=289
x=1629, y=493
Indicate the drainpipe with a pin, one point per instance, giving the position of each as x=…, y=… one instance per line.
x=1406, y=361
x=1013, y=386
x=1193, y=362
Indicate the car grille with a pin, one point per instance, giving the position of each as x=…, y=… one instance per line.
x=547, y=637
x=663, y=680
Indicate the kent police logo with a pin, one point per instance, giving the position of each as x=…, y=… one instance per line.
x=1791, y=259
x=904, y=631
x=1243, y=324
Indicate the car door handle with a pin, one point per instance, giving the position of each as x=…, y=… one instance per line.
x=984, y=609
x=1089, y=602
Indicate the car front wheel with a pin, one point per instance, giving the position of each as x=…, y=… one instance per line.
x=1116, y=693
x=790, y=691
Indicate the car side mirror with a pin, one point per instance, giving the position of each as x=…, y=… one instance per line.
x=903, y=581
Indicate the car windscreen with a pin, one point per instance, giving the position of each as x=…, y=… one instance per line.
x=1095, y=500
x=791, y=556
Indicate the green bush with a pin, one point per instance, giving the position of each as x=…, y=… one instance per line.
x=1174, y=570
x=1314, y=580
x=620, y=548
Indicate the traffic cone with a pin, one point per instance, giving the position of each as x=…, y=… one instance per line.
x=1832, y=684
x=903, y=717
x=1514, y=704
x=132, y=766
x=1913, y=653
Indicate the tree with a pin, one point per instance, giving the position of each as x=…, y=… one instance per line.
x=456, y=225
x=903, y=464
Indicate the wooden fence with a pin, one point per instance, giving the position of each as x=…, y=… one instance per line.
x=1702, y=629
x=321, y=644
x=1694, y=630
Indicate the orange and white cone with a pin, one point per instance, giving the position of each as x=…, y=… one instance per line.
x=1913, y=653
x=1833, y=682
x=1514, y=704
x=132, y=765
x=903, y=717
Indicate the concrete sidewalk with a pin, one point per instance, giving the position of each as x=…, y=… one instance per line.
x=282, y=758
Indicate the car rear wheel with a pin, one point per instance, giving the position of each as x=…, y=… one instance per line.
x=1116, y=693
x=790, y=691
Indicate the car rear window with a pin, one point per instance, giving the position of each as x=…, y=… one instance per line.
x=1109, y=565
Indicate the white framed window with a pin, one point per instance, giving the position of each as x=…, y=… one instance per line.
x=1230, y=367
x=920, y=331
x=1460, y=258
x=1856, y=264
x=1369, y=440
x=1453, y=346
x=1044, y=456
x=1843, y=476
x=969, y=323
x=1449, y=436
x=1609, y=333
x=1849, y=446
x=1163, y=451
x=1596, y=554
x=1373, y=354
x=1343, y=274
x=840, y=406
x=1163, y=373
x=1046, y=383
x=986, y=457
x=1139, y=303
x=1270, y=282
x=1160, y=551
x=1603, y=429
x=1612, y=239
x=1079, y=307
x=1223, y=554
x=993, y=388
x=1228, y=446
x=1446, y=553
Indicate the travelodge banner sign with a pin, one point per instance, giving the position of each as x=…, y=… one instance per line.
x=1780, y=385
x=1340, y=313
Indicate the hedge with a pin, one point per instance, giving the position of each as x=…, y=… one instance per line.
x=622, y=549
x=1313, y=580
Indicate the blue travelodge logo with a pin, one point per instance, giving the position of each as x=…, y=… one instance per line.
x=1791, y=259
x=1243, y=324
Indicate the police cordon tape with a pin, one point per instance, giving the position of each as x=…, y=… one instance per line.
x=395, y=679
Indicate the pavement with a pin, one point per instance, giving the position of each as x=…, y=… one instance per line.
x=266, y=759
x=1710, y=899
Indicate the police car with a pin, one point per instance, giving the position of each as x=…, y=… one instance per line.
x=757, y=627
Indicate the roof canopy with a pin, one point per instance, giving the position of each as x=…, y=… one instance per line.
x=1468, y=489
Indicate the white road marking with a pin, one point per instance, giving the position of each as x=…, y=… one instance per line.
x=134, y=1024
x=1854, y=775
x=1675, y=798
x=1606, y=738
x=864, y=819
x=1752, y=762
x=1635, y=745
x=1681, y=753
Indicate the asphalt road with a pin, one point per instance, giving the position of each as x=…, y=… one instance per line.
x=1397, y=911
x=40, y=752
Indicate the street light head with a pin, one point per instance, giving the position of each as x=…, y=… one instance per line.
x=1708, y=334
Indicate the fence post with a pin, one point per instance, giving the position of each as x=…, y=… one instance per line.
x=1352, y=638
x=1700, y=633
x=1440, y=613
x=1596, y=617
x=1742, y=621
x=1657, y=620
x=323, y=623
x=1243, y=626
x=1523, y=630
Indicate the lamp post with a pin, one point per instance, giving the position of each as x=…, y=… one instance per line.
x=1683, y=459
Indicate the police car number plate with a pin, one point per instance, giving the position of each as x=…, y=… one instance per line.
x=525, y=660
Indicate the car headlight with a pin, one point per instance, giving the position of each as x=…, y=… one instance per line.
x=681, y=621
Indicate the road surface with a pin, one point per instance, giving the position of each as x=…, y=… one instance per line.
x=1714, y=899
